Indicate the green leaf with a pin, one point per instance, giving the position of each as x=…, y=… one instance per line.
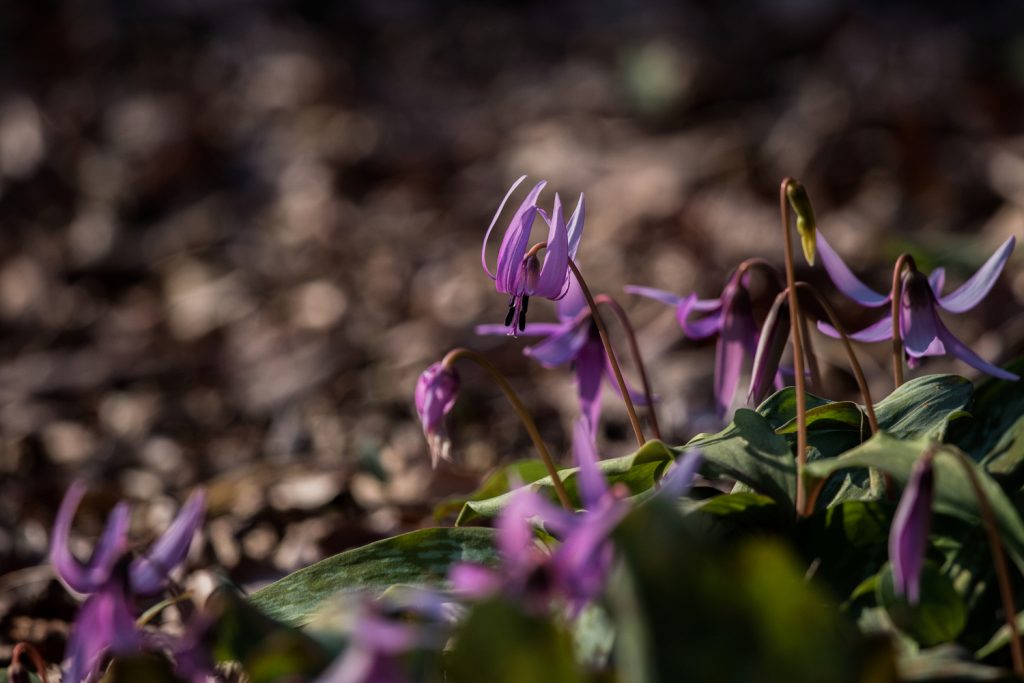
x=847, y=541
x=499, y=643
x=749, y=451
x=780, y=407
x=1005, y=460
x=266, y=649
x=689, y=608
x=953, y=493
x=525, y=471
x=938, y=617
x=998, y=404
x=999, y=639
x=418, y=558
x=141, y=668
x=637, y=471
x=924, y=406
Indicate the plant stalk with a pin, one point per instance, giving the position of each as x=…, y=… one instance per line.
x=798, y=356
x=620, y=313
x=603, y=331
x=904, y=261
x=520, y=408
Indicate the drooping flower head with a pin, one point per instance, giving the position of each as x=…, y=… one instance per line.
x=921, y=329
x=111, y=577
x=436, y=391
x=908, y=537
x=573, y=340
x=519, y=272
x=730, y=316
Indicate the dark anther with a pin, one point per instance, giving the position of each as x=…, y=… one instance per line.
x=511, y=314
x=522, y=313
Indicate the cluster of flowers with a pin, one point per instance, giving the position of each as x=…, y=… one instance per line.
x=564, y=574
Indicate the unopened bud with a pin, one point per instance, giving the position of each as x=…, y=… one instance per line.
x=805, y=223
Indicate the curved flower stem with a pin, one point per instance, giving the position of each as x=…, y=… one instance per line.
x=851, y=356
x=813, y=369
x=603, y=331
x=520, y=408
x=904, y=261
x=620, y=313
x=798, y=356
x=23, y=648
x=988, y=519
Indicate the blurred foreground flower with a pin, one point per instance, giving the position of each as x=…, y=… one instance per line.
x=575, y=572
x=106, y=621
x=574, y=339
x=519, y=273
x=921, y=329
x=908, y=537
x=436, y=391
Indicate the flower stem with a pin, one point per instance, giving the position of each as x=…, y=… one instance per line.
x=620, y=313
x=520, y=408
x=851, y=356
x=998, y=560
x=798, y=356
x=817, y=385
x=904, y=261
x=23, y=648
x=603, y=331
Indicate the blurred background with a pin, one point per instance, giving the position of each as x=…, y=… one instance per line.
x=233, y=232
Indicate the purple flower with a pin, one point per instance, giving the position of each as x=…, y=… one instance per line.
x=575, y=572
x=574, y=339
x=908, y=537
x=436, y=391
x=378, y=638
x=730, y=317
x=519, y=273
x=921, y=328
x=106, y=621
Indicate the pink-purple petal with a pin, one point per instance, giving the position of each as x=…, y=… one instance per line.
x=590, y=363
x=937, y=280
x=576, y=227
x=555, y=270
x=908, y=536
x=515, y=243
x=487, y=235
x=661, y=295
x=562, y=346
x=592, y=486
x=957, y=348
x=877, y=331
x=844, y=279
x=974, y=290
x=89, y=577
x=148, y=573
x=703, y=327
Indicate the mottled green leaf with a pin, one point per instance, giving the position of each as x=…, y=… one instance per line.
x=938, y=617
x=419, y=558
x=637, y=472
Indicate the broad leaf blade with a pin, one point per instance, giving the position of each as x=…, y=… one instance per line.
x=419, y=558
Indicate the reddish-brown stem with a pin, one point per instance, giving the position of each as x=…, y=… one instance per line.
x=620, y=313
x=813, y=370
x=851, y=356
x=904, y=261
x=520, y=408
x=999, y=560
x=798, y=356
x=24, y=648
x=616, y=370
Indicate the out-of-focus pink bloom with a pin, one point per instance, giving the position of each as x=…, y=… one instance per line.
x=106, y=621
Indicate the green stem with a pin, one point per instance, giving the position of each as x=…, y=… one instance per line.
x=904, y=261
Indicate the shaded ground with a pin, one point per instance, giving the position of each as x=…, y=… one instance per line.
x=232, y=234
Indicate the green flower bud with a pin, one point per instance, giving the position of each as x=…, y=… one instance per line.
x=805, y=223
